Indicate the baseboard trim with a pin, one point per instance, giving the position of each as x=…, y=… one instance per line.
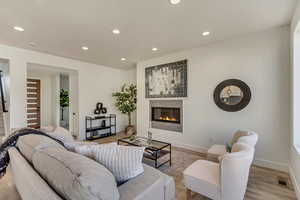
x=271, y=164
x=258, y=162
x=295, y=182
x=190, y=147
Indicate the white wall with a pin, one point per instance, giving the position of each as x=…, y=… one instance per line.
x=131, y=79
x=259, y=59
x=96, y=83
x=55, y=101
x=295, y=106
x=73, y=105
x=130, y=76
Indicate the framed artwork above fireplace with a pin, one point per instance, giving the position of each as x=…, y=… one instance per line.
x=167, y=80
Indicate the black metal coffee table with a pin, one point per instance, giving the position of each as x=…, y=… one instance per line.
x=154, y=149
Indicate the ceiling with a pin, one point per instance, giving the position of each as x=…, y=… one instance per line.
x=46, y=71
x=62, y=27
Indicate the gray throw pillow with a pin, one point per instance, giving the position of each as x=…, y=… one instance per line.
x=28, y=144
x=74, y=176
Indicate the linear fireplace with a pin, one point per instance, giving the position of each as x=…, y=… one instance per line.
x=166, y=115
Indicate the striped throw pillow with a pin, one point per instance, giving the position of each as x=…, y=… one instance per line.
x=124, y=162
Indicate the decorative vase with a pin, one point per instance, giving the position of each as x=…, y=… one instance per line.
x=130, y=130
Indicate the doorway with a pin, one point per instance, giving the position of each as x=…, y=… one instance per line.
x=52, y=81
x=5, y=100
x=64, y=101
x=33, y=103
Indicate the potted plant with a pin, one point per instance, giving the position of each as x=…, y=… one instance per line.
x=126, y=103
x=64, y=101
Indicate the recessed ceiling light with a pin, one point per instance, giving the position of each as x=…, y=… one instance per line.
x=18, y=28
x=174, y=2
x=154, y=49
x=116, y=31
x=206, y=33
x=123, y=59
x=85, y=48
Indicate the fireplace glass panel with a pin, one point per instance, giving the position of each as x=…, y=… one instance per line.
x=164, y=114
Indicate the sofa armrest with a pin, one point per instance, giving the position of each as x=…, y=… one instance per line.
x=169, y=188
x=22, y=171
x=152, y=184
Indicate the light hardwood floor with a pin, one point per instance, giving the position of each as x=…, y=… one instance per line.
x=263, y=183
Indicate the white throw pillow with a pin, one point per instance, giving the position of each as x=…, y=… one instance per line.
x=47, y=129
x=72, y=145
x=61, y=134
x=124, y=162
x=87, y=149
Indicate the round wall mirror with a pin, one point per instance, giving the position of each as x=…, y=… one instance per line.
x=232, y=95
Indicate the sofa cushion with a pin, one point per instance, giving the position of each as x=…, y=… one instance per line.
x=27, y=144
x=150, y=185
x=125, y=162
x=74, y=176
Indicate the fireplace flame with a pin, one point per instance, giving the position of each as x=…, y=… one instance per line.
x=168, y=118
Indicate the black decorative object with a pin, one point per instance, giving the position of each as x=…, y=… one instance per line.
x=104, y=110
x=167, y=80
x=103, y=123
x=232, y=95
x=97, y=112
x=100, y=109
x=99, y=106
x=100, y=126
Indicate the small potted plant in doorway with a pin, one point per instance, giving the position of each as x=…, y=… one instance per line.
x=126, y=104
x=64, y=102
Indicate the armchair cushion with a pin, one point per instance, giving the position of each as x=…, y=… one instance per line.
x=203, y=177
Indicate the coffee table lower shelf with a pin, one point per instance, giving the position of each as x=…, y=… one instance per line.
x=155, y=156
x=151, y=152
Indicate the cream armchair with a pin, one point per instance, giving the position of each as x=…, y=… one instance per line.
x=225, y=181
x=217, y=150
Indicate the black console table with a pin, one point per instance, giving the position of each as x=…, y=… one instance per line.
x=100, y=126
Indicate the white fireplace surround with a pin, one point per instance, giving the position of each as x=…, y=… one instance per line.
x=176, y=127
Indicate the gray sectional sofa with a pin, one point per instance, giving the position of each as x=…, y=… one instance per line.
x=44, y=170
